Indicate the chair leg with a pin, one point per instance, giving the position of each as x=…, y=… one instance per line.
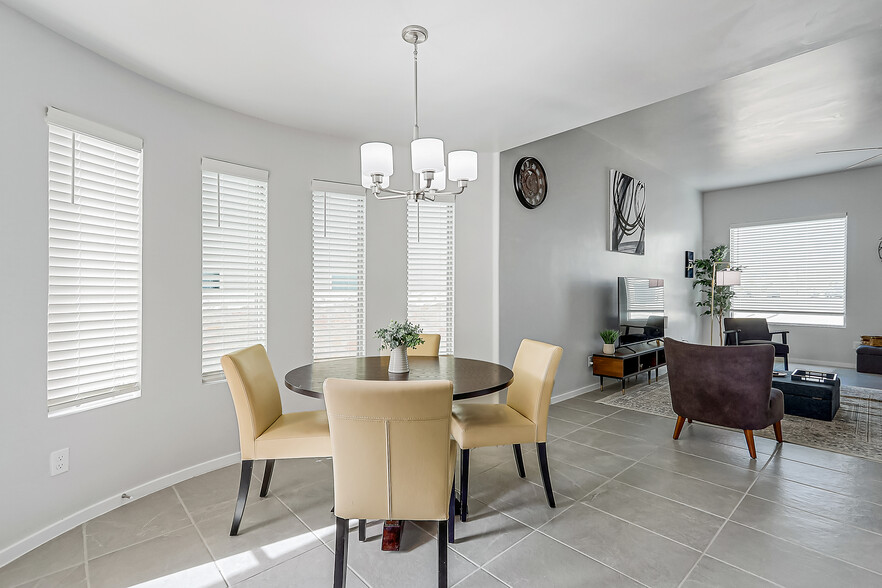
x=748, y=434
x=451, y=516
x=786, y=364
x=779, y=436
x=442, y=554
x=689, y=421
x=546, y=477
x=244, y=483
x=519, y=459
x=463, y=484
x=679, y=426
x=341, y=553
x=267, y=476
x=362, y=530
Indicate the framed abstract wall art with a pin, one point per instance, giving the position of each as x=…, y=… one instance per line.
x=627, y=213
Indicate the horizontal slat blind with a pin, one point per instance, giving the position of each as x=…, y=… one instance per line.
x=646, y=297
x=338, y=270
x=430, y=249
x=792, y=272
x=94, y=315
x=234, y=273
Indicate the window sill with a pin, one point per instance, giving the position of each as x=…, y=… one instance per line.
x=92, y=404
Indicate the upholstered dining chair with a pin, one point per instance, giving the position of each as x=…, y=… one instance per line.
x=724, y=386
x=522, y=419
x=428, y=348
x=755, y=331
x=393, y=458
x=264, y=431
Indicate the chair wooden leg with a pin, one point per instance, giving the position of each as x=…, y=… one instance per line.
x=546, y=477
x=451, y=516
x=679, y=426
x=689, y=421
x=362, y=530
x=519, y=459
x=267, y=476
x=748, y=434
x=442, y=554
x=463, y=484
x=779, y=436
x=244, y=483
x=341, y=555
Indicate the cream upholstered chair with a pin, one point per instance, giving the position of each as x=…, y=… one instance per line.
x=428, y=348
x=522, y=419
x=264, y=431
x=393, y=457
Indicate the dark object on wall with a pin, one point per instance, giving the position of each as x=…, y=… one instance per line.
x=869, y=359
x=627, y=213
x=755, y=331
x=880, y=249
x=530, y=182
x=690, y=265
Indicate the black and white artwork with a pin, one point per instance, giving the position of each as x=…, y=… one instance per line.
x=627, y=213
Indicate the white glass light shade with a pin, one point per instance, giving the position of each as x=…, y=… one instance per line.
x=368, y=183
x=426, y=155
x=463, y=165
x=729, y=278
x=439, y=182
x=376, y=158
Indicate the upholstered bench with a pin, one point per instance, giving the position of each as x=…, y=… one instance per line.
x=869, y=359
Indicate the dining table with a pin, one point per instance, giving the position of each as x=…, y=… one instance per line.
x=471, y=378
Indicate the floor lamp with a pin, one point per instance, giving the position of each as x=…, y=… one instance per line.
x=724, y=277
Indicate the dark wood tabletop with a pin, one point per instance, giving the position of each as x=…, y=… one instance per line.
x=470, y=377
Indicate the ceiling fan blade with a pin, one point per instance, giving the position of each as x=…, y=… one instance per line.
x=864, y=161
x=844, y=150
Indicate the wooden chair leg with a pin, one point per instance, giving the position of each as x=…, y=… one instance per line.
x=244, y=483
x=362, y=530
x=679, y=426
x=519, y=459
x=779, y=436
x=442, y=554
x=546, y=477
x=463, y=484
x=267, y=476
x=748, y=434
x=451, y=516
x=341, y=555
x=689, y=421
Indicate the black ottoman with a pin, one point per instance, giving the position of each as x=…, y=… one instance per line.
x=869, y=359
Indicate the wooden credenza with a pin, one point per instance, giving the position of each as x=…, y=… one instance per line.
x=630, y=361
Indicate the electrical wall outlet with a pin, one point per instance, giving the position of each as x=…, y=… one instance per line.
x=58, y=461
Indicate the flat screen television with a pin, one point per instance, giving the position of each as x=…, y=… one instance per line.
x=641, y=310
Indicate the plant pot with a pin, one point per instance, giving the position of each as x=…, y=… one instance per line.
x=398, y=360
x=609, y=348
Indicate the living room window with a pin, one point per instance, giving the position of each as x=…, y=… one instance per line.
x=94, y=313
x=338, y=272
x=234, y=261
x=793, y=272
x=430, y=249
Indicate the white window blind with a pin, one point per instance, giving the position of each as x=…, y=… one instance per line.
x=430, y=249
x=792, y=271
x=234, y=256
x=94, y=314
x=338, y=270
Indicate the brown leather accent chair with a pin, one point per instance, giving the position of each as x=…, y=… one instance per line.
x=755, y=331
x=393, y=458
x=724, y=386
x=264, y=431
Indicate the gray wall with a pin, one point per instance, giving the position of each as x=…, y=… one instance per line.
x=855, y=192
x=557, y=281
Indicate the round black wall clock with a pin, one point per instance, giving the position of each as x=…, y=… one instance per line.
x=530, y=182
x=880, y=249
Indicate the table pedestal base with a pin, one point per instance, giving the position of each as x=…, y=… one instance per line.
x=392, y=535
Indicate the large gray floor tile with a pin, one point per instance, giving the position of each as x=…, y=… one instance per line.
x=783, y=562
x=61, y=553
x=731, y=437
x=482, y=459
x=580, y=403
x=587, y=458
x=572, y=415
x=312, y=503
x=681, y=523
x=704, y=469
x=712, y=573
x=690, y=491
x=520, y=499
x=860, y=468
x=313, y=568
x=861, y=487
x=635, y=552
x=651, y=433
x=480, y=579
x=541, y=561
x=569, y=480
x=148, y=517
x=735, y=456
x=559, y=428
x=214, y=493
x=176, y=559
x=617, y=444
x=70, y=578
x=645, y=418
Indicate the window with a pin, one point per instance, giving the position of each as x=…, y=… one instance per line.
x=94, y=314
x=338, y=252
x=430, y=269
x=793, y=272
x=234, y=249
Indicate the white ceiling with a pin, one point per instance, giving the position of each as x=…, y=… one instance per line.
x=494, y=73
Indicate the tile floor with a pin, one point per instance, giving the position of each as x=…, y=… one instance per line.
x=634, y=508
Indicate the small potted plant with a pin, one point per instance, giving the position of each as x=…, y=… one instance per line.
x=397, y=337
x=609, y=337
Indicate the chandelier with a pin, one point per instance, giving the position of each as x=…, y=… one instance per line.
x=426, y=154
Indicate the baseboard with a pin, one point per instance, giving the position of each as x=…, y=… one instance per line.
x=16, y=550
x=573, y=393
x=822, y=363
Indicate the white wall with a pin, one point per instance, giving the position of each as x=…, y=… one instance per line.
x=855, y=192
x=557, y=281
x=178, y=422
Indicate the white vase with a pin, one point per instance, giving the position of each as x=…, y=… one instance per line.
x=398, y=360
x=609, y=348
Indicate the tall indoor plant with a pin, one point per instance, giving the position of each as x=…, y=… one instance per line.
x=722, y=298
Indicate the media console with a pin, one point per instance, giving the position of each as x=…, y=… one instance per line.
x=630, y=361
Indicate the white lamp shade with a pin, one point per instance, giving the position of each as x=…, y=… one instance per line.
x=426, y=155
x=729, y=278
x=439, y=182
x=376, y=158
x=463, y=165
x=368, y=183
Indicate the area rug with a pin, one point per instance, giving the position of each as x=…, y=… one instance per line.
x=855, y=430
